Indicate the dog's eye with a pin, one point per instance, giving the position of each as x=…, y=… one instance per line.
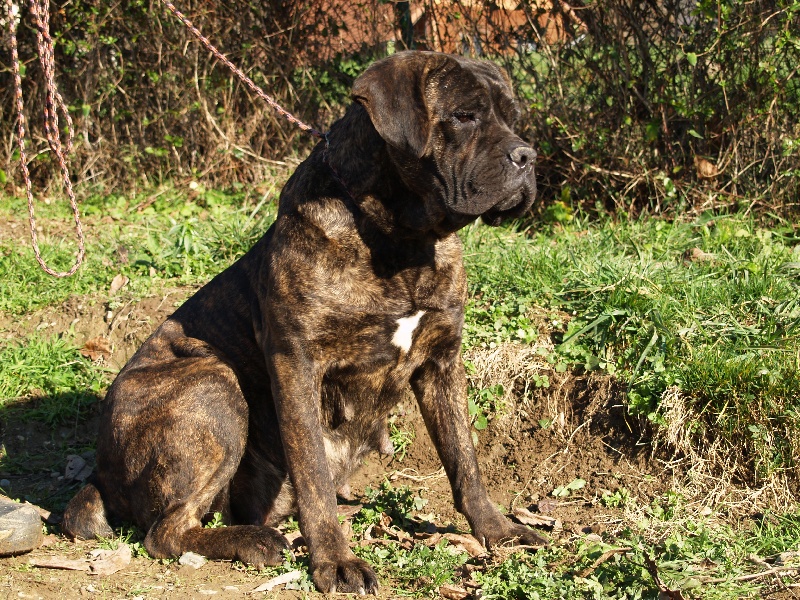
x=464, y=117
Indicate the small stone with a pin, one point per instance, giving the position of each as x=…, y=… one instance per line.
x=20, y=527
x=190, y=559
x=77, y=469
x=5, y=483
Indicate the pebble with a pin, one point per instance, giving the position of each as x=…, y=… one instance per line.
x=20, y=527
x=5, y=483
x=190, y=559
x=77, y=469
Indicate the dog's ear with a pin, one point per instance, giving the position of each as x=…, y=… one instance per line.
x=392, y=91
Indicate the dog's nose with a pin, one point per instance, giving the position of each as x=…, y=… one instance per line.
x=522, y=156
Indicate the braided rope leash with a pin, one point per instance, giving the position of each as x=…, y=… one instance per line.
x=240, y=74
x=53, y=104
x=257, y=90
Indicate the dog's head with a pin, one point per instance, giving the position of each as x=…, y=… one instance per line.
x=448, y=125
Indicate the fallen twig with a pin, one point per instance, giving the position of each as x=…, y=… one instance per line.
x=600, y=560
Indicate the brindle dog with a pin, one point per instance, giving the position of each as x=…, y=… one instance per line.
x=259, y=396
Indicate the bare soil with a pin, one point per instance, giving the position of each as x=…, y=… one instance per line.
x=586, y=435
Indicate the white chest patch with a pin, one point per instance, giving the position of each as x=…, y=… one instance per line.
x=405, y=331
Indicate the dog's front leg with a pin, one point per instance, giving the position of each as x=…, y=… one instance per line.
x=441, y=391
x=296, y=391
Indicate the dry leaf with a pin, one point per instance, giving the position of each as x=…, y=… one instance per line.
x=705, y=168
x=547, y=505
x=103, y=562
x=108, y=562
x=97, y=349
x=56, y=562
x=117, y=284
x=453, y=592
x=786, y=557
x=431, y=540
x=467, y=542
x=697, y=255
x=526, y=517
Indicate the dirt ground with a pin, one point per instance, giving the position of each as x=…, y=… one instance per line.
x=586, y=436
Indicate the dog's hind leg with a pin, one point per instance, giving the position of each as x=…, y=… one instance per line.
x=85, y=515
x=193, y=443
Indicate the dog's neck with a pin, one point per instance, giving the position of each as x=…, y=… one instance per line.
x=363, y=169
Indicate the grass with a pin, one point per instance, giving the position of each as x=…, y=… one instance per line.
x=708, y=310
x=181, y=236
x=698, y=318
x=62, y=383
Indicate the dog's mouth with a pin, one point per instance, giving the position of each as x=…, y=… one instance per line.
x=508, y=210
x=511, y=208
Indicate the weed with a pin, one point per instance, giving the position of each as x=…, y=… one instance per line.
x=618, y=499
x=419, y=571
x=398, y=503
x=565, y=490
x=126, y=534
x=401, y=439
x=685, y=561
x=215, y=521
x=484, y=405
x=291, y=524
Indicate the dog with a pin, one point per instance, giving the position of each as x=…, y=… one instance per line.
x=261, y=394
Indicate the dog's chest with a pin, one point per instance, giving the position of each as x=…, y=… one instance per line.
x=380, y=346
x=354, y=304
x=403, y=336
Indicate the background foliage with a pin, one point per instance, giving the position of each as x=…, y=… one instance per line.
x=663, y=104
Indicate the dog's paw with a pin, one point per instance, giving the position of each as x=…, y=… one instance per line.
x=510, y=533
x=350, y=575
x=261, y=546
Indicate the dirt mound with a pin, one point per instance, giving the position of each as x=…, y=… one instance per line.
x=577, y=429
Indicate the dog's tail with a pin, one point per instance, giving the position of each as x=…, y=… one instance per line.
x=85, y=516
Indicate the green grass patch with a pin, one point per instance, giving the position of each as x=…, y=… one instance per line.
x=709, y=307
x=167, y=235
x=58, y=382
x=397, y=503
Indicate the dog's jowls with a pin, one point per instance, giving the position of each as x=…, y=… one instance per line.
x=259, y=396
